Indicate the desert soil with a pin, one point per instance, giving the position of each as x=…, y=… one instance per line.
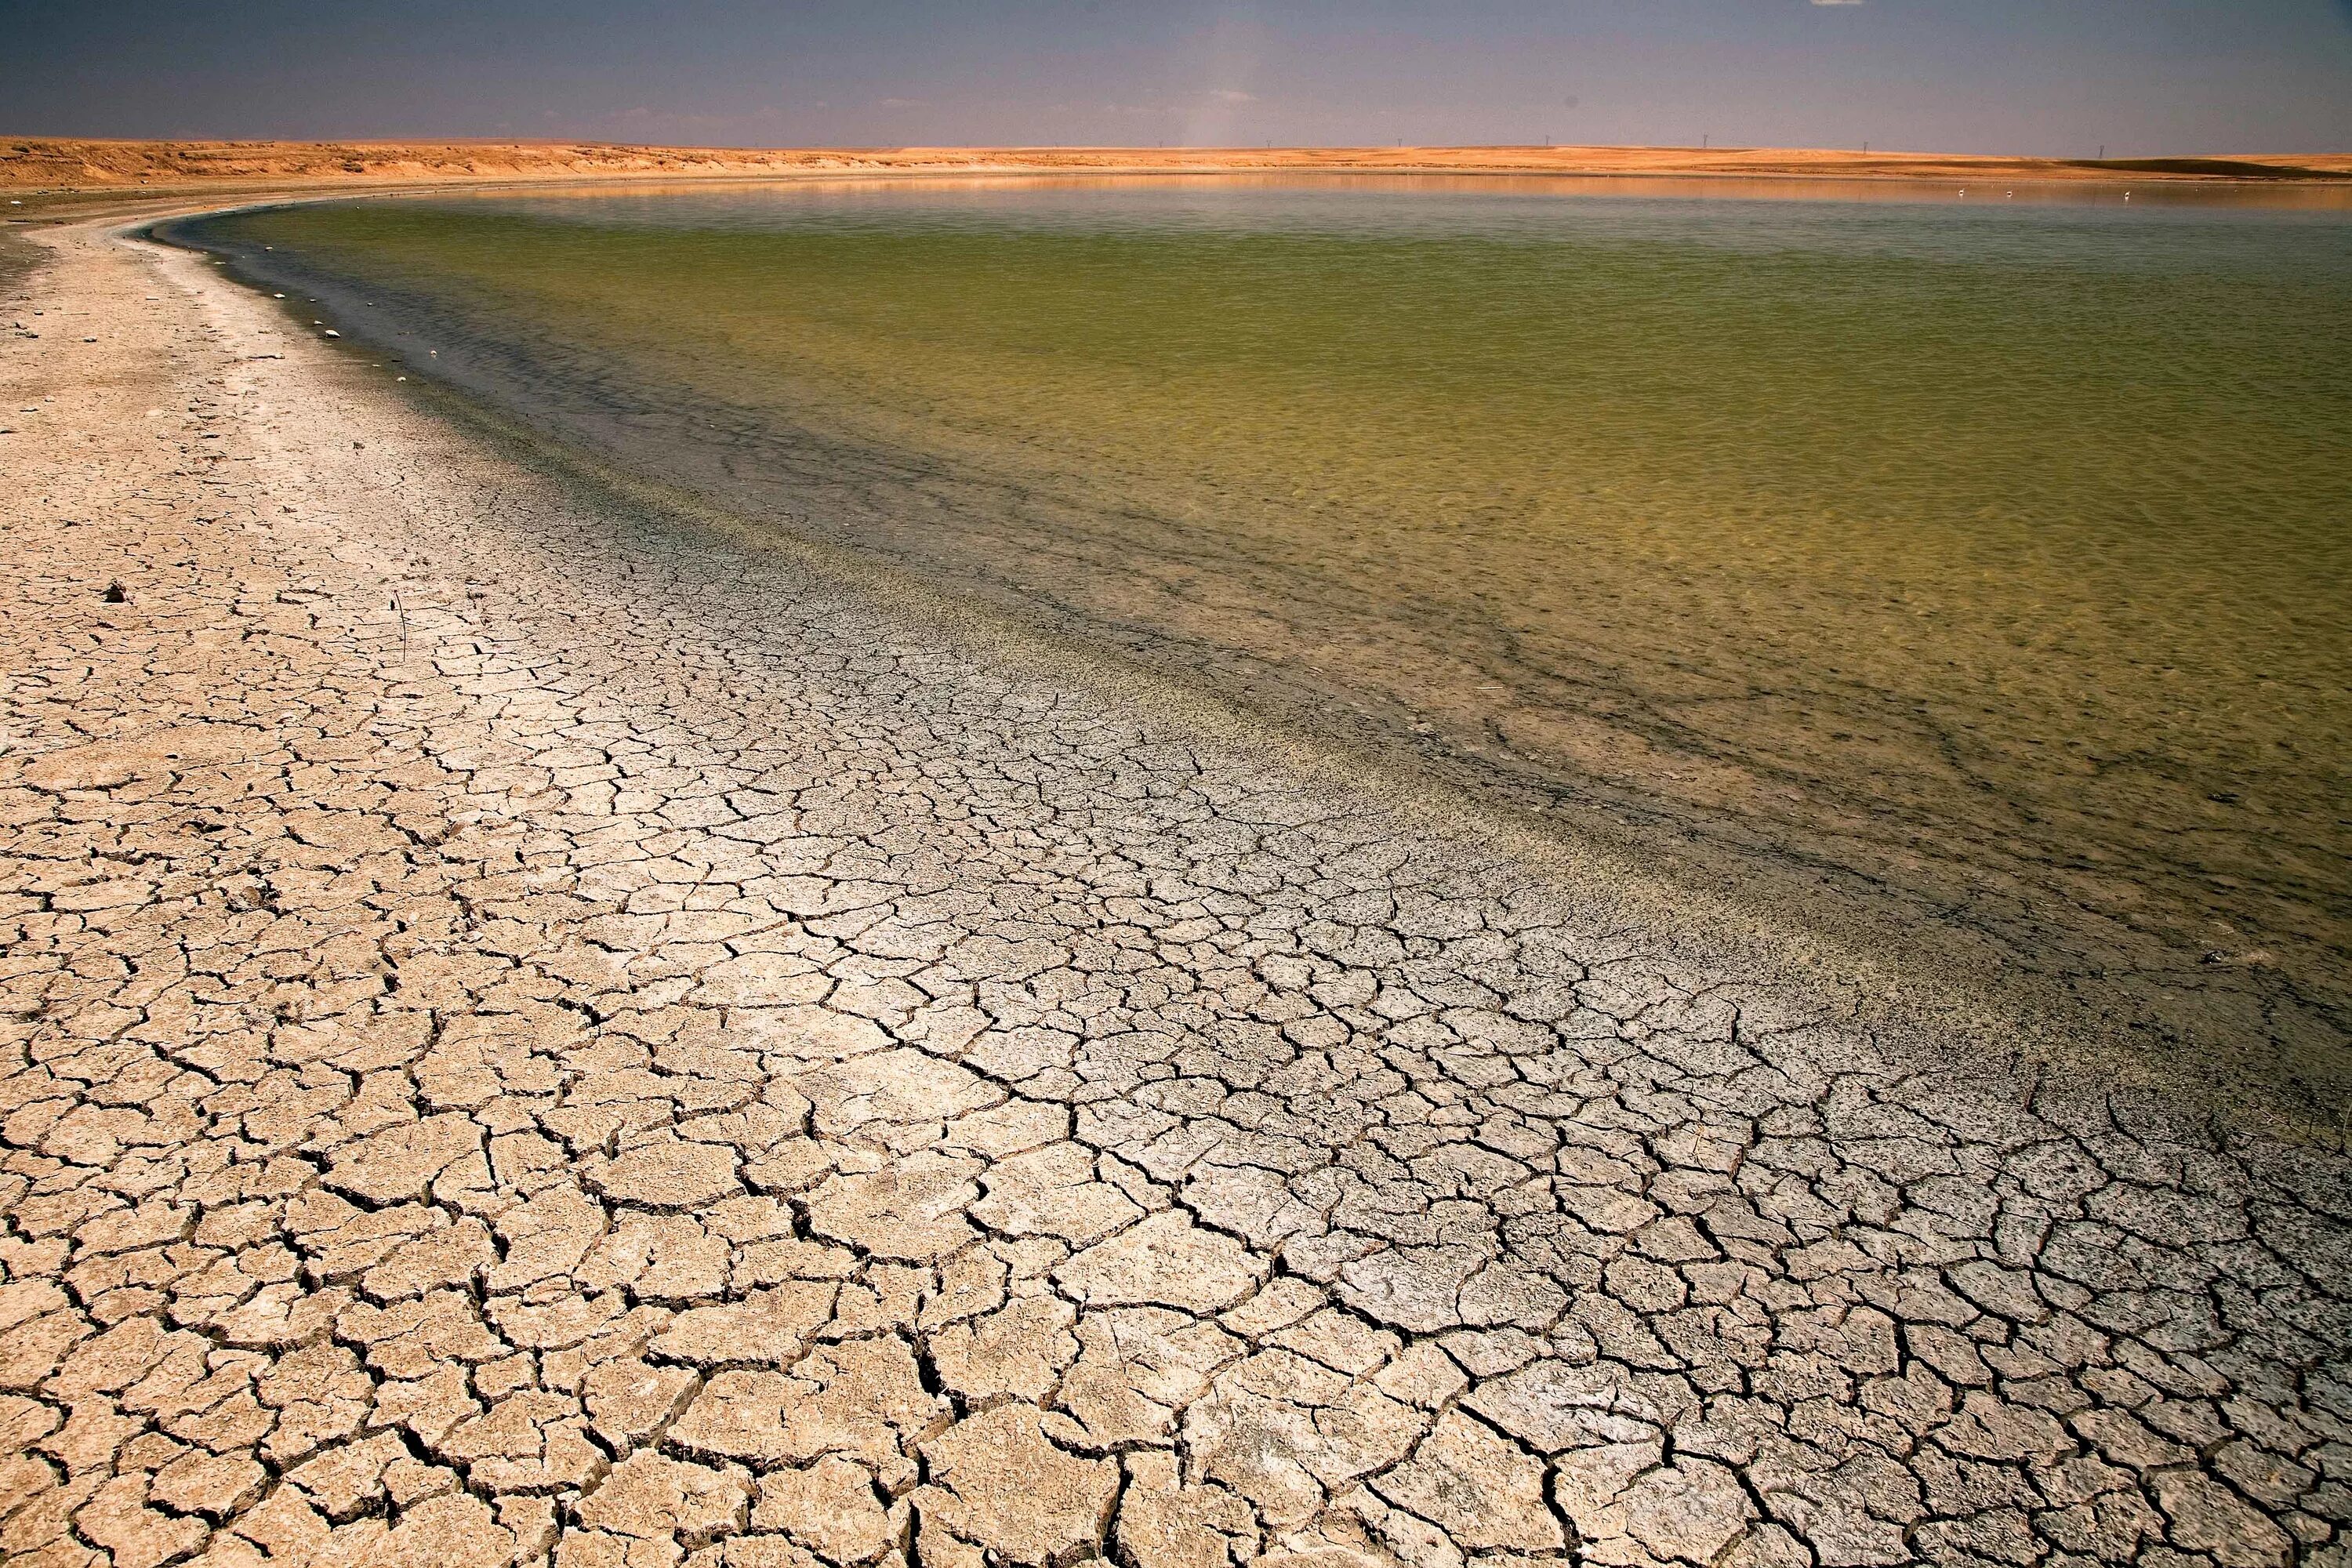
x=531, y=1031
x=71, y=164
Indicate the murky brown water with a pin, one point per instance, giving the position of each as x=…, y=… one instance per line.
x=1972, y=577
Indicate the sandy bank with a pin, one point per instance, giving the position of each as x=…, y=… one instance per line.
x=526, y=1022
x=57, y=163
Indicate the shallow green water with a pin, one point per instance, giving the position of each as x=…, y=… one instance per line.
x=1987, y=565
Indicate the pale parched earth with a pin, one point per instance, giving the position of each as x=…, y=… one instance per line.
x=531, y=1033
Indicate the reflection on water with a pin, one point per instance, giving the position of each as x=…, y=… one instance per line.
x=1972, y=571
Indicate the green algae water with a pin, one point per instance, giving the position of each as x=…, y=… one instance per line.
x=1967, y=574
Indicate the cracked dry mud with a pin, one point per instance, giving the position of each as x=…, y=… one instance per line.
x=534, y=1034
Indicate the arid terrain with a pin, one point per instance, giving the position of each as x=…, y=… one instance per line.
x=61, y=164
x=528, y=1033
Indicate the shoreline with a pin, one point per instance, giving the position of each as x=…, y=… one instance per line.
x=2088, y=999
x=694, y=1036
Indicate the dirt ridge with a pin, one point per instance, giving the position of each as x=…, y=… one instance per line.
x=85, y=163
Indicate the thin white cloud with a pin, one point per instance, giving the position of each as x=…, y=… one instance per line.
x=1228, y=55
x=1234, y=95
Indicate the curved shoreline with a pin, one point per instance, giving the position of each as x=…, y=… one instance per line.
x=530, y=1026
x=2077, y=987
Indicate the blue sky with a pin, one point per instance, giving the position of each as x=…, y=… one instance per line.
x=2059, y=76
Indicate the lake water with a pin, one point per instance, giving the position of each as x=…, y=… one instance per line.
x=1968, y=575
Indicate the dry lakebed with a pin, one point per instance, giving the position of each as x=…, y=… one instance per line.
x=536, y=1032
